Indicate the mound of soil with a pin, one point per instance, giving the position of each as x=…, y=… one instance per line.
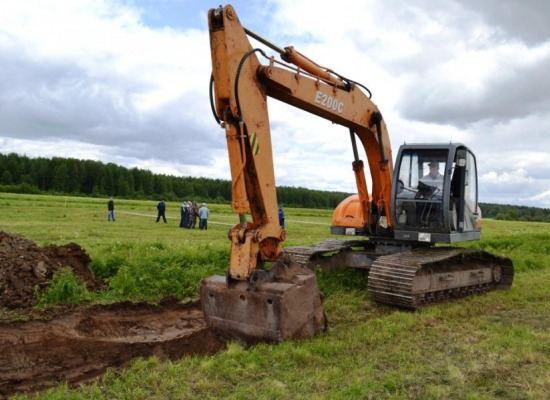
x=25, y=266
x=80, y=345
x=74, y=256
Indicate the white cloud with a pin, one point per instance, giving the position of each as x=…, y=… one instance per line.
x=91, y=71
x=504, y=178
x=543, y=197
x=90, y=79
x=440, y=73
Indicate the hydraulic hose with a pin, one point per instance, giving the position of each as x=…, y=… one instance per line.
x=239, y=68
x=218, y=121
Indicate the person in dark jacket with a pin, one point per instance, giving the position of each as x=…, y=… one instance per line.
x=281, y=217
x=161, y=208
x=111, y=210
x=193, y=214
x=183, y=215
x=185, y=212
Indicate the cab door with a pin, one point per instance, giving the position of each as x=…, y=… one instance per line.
x=464, y=196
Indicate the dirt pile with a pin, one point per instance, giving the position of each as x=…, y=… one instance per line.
x=76, y=345
x=24, y=266
x=74, y=256
x=81, y=345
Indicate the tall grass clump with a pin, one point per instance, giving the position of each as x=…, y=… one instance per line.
x=65, y=288
x=528, y=250
x=107, y=267
x=341, y=280
x=168, y=274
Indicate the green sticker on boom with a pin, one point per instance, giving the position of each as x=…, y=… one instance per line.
x=254, y=145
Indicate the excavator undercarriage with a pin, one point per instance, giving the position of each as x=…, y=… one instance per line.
x=285, y=303
x=411, y=276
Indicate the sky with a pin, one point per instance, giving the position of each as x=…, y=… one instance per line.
x=126, y=81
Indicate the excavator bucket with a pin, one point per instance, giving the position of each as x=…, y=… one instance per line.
x=286, y=305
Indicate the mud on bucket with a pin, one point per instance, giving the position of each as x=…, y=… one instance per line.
x=285, y=307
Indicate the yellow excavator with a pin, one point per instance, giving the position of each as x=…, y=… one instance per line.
x=270, y=293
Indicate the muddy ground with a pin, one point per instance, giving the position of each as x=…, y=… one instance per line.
x=77, y=344
x=80, y=345
x=26, y=268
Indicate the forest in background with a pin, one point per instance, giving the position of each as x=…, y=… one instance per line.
x=22, y=174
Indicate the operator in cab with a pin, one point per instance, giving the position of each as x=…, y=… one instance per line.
x=434, y=173
x=433, y=178
x=430, y=188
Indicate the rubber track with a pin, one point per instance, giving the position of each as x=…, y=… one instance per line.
x=391, y=277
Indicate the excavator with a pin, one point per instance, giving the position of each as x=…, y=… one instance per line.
x=429, y=197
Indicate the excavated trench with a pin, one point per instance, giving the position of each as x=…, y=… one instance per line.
x=78, y=344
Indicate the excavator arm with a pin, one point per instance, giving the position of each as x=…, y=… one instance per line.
x=241, y=85
x=240, y=103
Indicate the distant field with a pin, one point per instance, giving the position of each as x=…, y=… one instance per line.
x=491, y=346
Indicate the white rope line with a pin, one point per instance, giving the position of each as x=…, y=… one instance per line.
x=219, y=223
x=167, y=217
x=307, y=222
x=292, y=220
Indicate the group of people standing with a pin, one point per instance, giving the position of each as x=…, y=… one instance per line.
x=188, y=210
x=189, y=213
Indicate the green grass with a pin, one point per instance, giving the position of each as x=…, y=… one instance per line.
x=65, y=288
x=491, y=346
x=527, y=243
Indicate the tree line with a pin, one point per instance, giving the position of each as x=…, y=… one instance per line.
x=514, y=213
x=22, y=174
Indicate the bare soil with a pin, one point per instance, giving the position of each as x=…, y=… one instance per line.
x=80, y=345
x=77, y=344
x=26, y=268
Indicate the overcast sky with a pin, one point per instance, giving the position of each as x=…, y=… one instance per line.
x=126, y=81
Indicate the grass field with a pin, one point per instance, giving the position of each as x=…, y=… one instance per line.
x=491, y=346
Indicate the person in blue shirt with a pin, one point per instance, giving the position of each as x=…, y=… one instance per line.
x=161, y=208
x=281, y=217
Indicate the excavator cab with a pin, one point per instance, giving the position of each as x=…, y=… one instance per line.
x=434, y=197
x=434, y=194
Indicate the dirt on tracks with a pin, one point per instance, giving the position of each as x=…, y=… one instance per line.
x=80, y=345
